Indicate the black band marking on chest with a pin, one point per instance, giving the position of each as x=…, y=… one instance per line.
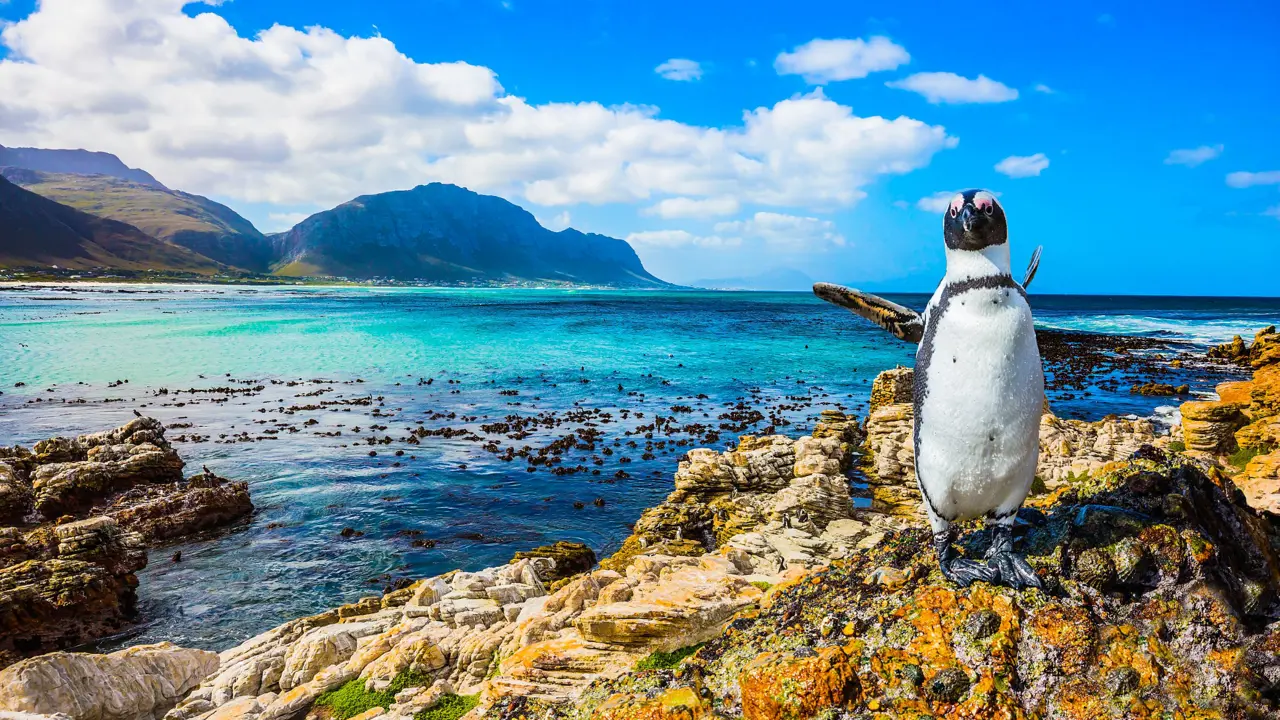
x=924, y=358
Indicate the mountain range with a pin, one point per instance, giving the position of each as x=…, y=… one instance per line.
x=35, y=230
x=78, y=210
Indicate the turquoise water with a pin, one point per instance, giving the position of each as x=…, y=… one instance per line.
x=598, y=365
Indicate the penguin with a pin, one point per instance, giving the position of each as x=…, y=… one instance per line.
x=978, y=388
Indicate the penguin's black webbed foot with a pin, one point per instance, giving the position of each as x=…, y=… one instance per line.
x=964, y=572
x=961, y=571
x=1014, y=571
x=1009, y=568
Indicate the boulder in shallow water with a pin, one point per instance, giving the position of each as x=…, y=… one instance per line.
x=103, y=497
x=1210, y=426
x=131, y=683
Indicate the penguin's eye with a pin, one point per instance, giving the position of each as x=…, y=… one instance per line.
x=989, y=208
x=952, y=211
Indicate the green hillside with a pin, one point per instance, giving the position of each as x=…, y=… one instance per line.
x=36, y=231
x=191, y=221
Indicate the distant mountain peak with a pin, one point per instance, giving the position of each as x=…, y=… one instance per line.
x=445, y=232
x=80, y=162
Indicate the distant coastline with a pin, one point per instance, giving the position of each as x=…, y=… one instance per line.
x=47, y=276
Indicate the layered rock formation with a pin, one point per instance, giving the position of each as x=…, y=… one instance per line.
x=133, y=683
x=1241, y=430
x=79, y=514
x=889, y=452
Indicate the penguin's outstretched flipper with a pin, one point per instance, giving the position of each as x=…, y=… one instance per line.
x=1032, y=267
x=904, y=323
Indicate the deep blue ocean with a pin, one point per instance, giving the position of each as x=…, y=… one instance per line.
x=488, y=379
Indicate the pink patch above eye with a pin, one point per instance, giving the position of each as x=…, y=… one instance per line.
x=956, y=203
x=982, y=202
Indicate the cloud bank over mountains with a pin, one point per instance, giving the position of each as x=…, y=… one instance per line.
x=294, y=116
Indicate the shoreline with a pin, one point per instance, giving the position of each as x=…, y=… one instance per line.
x=741, y=539
x=7, y=283
x=312, y=534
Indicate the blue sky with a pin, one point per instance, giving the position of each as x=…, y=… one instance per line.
x=1106, y=96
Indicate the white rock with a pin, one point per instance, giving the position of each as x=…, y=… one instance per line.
x=129, y=683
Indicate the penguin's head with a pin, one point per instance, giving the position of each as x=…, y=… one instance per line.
x=974, y=220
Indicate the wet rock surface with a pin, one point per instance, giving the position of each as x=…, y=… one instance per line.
x=79, y=515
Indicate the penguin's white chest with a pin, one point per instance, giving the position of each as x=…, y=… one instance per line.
x=978, y=403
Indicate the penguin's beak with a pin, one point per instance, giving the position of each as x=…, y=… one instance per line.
x=967, y=217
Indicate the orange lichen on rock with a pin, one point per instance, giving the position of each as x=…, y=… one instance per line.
x=778, y=686
x=676, y=704
x=1068, y=634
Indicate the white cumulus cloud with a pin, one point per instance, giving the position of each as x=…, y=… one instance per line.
x=1192, y=157
x=1042, y=88
x=937, y=202
x=822, y=61
x=311, y=117
x=1021, y=166
x=1249, y=179
x=683, y=207
x=778, y=229
x=1272, y=212
x=680, y=69
x=945, y=87
x=679, y=238
x=556, y=222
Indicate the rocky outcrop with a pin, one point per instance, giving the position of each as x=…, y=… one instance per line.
x=78, y=515
x=1160, y=601
x=71, y=475
x=736, y=522
x=1245, y=421
x=1159, y=389
x=169, y=511
x=1077, y=448
x=64, y=585
x=766, y=483
x=132, y=683
x=888, y=454
x=1209, y=426
x=1263, y=351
